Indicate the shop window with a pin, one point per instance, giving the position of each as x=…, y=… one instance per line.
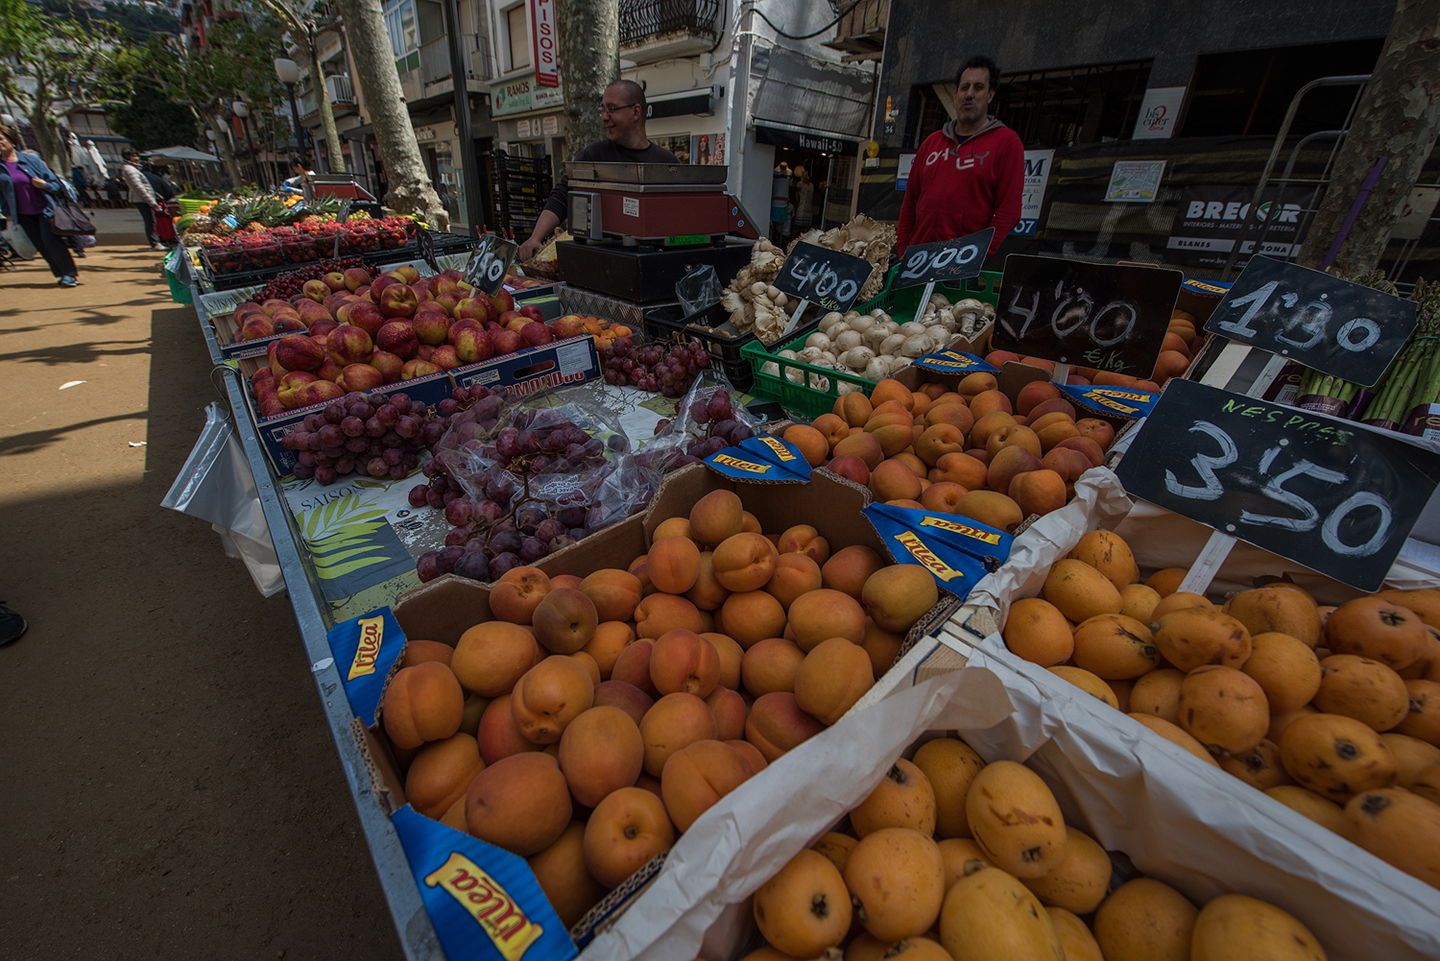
x=1247, y=92
x=517, y=28
x=400, y=24
x=678, y=144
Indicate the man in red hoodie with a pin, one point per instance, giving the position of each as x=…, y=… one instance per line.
x=969, y=174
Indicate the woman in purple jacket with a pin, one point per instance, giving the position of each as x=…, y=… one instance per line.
x=27, y=193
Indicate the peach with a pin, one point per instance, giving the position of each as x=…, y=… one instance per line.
x=520, y=803
x=863, y=445
x=960, y=468
x=440, y=774
x=943, y=497
x=626, y=830
x=988, y=402
x=1038, y=491
x=564, y=621
x=795, y=573
x=1033, y=393
x=1007, y=464
x=850, y=467
x=771, y=665
x=954, y=413
x=600, y=751
x=497, y=735
x=682, y=660
x=561, y=873
x=706, y=593
x=623, y=695
x=549, y=696
x=1097, y=430
x=671, y=723
x=730, y=709
x=776, y=724
x=751, y=616
x=745, y=562
x=730, y=653
x=992, y=509
x=826, y=613
x=976, y=383
x=672, y=527
x=658, y=613
x=1086, y=446
x=490, y=657
x=833, y=428
x=832, y=677
x=696, y=777
x=896, y=596
x=804, y=539
x=675, y=563
x=937, y=441
x=1067, y=462
x=422, y=703
x=633, y=666
x=715, y=517
x=517, y=593
x=854, y=408
x=987, y=425
x=813, y=445
x=614, y=593
x=892, y=480
x=419, y=651
x=606, y=644
x=881, y=646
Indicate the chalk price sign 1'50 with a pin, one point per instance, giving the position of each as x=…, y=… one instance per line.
x=1107, y=316
x=1330, y=494
x=827, y=278
x=1325, y=323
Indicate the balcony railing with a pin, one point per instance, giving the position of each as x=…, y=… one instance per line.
x=642, y=21
x=435, y=58
x=340, y=89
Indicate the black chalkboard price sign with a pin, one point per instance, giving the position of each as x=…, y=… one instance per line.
x=945, y=261
x=827, y=278
x=1107, y=316
x=489, y=263
x=1323, y=322
x=1330, y=494
x=425, y=244
x=343, y=214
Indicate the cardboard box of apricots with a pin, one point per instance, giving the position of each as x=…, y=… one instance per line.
x=1138, y=801
x=444, y=609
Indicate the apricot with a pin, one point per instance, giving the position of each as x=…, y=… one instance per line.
x=658, y=613
x=1015, y=435
x=706, y=593
x=795, y=574
x=976, y=383
x=714, y=517
x=497, y=734
x=881, y=646
x=744, y=562
x=937, y=440
x=749, y=754
x=682, y=660
x=626, y=830
x=422, y=703
x=831, y=678
x=418, y=652
x=987, y=424
x=849, y=568
x=607, y=643
x=561, y=873
x=1056, y=405
x=1085, y=445
x=776, y=724
x=440, y=774
x=565, y=580
x=1008, y=463
x=891, y=480
x=804, y=910
x=989, y=402
x=804, y=539
x=862, y=445
x=850, y=467
x=896, y=596
x=671, y=527
x=904, y=798
x=961, y=469
x=730, y=709
x=751, y=616
x=889, y=390
x=833, y=428
x=671, y=723
x=771, y=665
x=549, y=696
x=811, y=443
x=954, y=413
x=675, y=563
x=749, y=523
x=915, y=465
x=490, y=657
x=1097, y=430
x=614, y=593
x=520, y=803
x=1033, y=393
x=564, y=620
x=696, y=777
x=854, y=408
x=992, y=509
x=1038, y=491
x=601, y=751
x=943, y=497
x=823, y=614
x=633, y=666
x=894, y=433
x=517, y=593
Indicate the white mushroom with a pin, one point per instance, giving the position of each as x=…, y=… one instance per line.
x=891, y=344
x=862, y=323
x=873, y=337
x=810, y=355
x=857, y=358
x=786, y=354
x=877, y=369
x=818, y=340
x=849, y=338
x=915, y=346
x=912, y=327
x=939, y=333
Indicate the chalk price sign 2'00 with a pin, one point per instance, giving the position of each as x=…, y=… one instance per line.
x=827, y=278
x=1323, y=322
x=1330, y=494
x=488, y=264
x=1107, y=316
x=944, y=261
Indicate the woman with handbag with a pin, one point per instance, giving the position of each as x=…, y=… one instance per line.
x=28, y=189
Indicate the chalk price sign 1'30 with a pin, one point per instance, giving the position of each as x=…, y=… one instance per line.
x=1107, y=316
x=827, y=278
x=1330, y=494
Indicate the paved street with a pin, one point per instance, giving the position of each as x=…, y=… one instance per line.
x=170, y=789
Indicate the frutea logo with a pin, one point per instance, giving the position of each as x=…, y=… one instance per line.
x=372, y=635
x=482, y=897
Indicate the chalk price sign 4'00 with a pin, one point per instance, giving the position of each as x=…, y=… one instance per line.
x=827, y=278
x=1333, y=495
x=1106, y=316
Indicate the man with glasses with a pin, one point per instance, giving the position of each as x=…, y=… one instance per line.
x=623, y=110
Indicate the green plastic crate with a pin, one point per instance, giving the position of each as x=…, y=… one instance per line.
x=811, y=401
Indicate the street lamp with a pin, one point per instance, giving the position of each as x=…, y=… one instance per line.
x=242, y=110
x=288, y=72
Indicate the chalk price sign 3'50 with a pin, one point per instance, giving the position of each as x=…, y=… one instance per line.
x=827, y=278
x=1330, y=494
x=1106, y=316
x=489, y=263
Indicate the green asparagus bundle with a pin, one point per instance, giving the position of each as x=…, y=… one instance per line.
x=1325, y=393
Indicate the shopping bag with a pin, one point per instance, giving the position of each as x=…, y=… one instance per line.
x=19, y=241
x=68, y=220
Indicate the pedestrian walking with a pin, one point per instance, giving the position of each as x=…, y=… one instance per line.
x=28, y=188
x=114, y=190
x=142, y=195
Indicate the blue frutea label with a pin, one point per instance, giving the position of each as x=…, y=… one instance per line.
x=954, y=362
x=365, y=648
x=957, y=551
x=763, y=457
x=1125, y=401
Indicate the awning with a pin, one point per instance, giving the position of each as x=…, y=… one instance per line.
x=800, y=93
x=802, y=139
x=182, y=153
x=681, y=103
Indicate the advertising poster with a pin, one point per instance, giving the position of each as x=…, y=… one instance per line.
x=1158, y=113
x=1135, y=181
x=1210, y=219
x=1037, y=174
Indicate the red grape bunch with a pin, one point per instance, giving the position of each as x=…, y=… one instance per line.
x=710, y=424
x=668, y=368
x=377, y=435
x=289, y=284
x=472, y=411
